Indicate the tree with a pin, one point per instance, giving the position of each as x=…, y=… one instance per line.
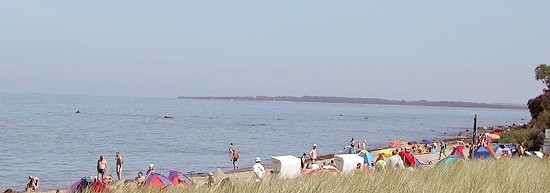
x=542, y=73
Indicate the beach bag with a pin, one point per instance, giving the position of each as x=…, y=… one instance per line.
x=235, y=154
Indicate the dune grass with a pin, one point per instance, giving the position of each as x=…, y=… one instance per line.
x=507, y=175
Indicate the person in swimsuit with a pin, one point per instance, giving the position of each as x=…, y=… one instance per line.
x=101, y=167
x=119, y=162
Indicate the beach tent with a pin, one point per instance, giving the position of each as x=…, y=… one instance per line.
x=348, y=162
x=367, y=157
x=397, y=144
x=86, y=185
x=286, y=167
x=483, y=153
x=449, y=159
x=174, y=177
x=79, y=186
x=458, y=151
x=157, y=180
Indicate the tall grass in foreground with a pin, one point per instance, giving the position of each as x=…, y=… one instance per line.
x=507, y=175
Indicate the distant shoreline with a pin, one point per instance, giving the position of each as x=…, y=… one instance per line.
x=363, y=101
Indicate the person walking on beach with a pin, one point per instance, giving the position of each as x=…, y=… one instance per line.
x=234, y=154
x=442, y=147
x=259, y=171
x=313, y=153
x=119, y=162
x=101, y=167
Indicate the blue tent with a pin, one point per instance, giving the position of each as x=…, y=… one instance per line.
x=449, y=159
x=367, y=157
x=483, y=153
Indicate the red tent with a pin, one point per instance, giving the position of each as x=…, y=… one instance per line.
x=157, y=180
x=174, y=176
x=458, y=151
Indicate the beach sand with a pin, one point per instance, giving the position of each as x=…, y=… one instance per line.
x=246, y=174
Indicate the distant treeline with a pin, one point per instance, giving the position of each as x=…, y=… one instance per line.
x=377, y=101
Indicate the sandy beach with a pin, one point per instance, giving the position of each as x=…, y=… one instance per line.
x=245, y=174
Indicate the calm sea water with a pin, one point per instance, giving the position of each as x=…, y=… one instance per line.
x=42, y=135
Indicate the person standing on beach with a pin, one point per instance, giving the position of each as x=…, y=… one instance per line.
x=119, y=162
x=313, y=153
x=101, y=167
x=303, y=159
x=352, y=143
x=442, y=147
x=364, y=145
x=259, y=171
x=234, y=154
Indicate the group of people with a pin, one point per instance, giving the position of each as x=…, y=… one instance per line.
x=102, y=166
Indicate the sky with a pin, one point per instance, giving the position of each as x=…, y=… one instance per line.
x=401, y=50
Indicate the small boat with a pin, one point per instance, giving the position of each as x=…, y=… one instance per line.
x=168, y=116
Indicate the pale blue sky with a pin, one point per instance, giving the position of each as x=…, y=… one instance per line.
x=412, y=50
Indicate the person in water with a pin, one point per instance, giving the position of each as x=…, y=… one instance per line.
x=234, y=154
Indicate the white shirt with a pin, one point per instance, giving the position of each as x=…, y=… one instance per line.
x=395, y=162
x=259, y=171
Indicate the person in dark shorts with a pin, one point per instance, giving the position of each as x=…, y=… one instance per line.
x=234, y=154
x=101, y=167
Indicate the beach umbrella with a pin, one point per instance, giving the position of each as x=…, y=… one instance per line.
x=494, y=136
x=427, y=141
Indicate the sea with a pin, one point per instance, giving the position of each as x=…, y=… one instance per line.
x=41, y=135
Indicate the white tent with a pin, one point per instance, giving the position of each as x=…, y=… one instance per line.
x=347, y=162
x=286, y=167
